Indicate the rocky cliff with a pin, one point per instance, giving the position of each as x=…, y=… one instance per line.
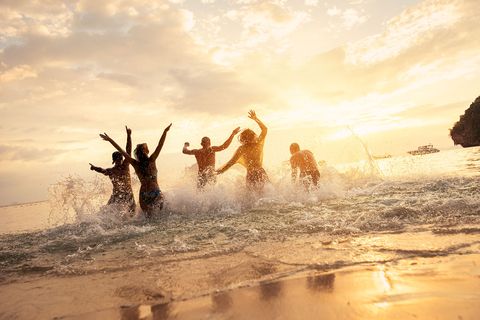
x=466, y=132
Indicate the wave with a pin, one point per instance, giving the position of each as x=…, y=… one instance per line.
x=227, y=218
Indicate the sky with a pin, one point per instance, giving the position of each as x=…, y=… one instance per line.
x=398, y=73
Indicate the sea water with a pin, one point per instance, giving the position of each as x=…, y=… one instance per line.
x=361, y=212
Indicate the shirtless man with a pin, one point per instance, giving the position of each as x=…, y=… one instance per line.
x=304, y=161
x=206, y=158
x=119, y=175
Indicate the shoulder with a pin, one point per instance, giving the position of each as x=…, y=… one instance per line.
x=307, y=152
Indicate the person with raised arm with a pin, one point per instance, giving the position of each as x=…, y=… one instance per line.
x=206, y=158
x=304, y=161
x=119, y=174
x=250, y=155
x=151, y=198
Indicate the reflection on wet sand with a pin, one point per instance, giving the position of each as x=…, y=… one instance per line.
x=270, y=290
x=154, y=312
x=221, y=302
x=129, y=313
x=322, y=283
x=161, y=311
x=394, y=291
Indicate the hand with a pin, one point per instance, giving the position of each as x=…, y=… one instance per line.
x=129, y=131
x=252, y=115
x=167, y=128
x=237, y=130
x=92, y=167
x=105, y=137
x=187, y=144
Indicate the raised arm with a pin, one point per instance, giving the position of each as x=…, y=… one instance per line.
x=98, y=169
x=252, y=115
x=105, y=137
x=186, y=151
x=160, y=144
x=231, y=162
x=128, y=147
x=227, y=143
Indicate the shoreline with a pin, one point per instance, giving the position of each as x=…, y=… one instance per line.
x=192, y=287
x=23, y=204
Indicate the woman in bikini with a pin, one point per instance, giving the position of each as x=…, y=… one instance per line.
x=250, y=155
x=119, y=174
x=151, y=198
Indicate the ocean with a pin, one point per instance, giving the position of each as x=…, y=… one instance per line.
x=372, y=212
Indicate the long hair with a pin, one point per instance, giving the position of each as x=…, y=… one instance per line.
x=141, y=155
x=247, y=136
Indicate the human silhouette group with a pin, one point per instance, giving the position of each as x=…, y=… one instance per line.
x=249, y=154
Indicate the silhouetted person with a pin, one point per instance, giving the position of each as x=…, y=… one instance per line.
x=119, y=174
x=206, y=158
x=250, y=155
x=151, y=198
x=304, y=161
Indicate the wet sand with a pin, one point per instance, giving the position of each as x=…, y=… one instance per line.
x=416, y=289
x=242, y=285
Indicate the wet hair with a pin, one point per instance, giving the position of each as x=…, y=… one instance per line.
x=247, y=136
x=142, y=156
x=205, y=140
x=140, y=153
x=294, y=147
x=116, y=156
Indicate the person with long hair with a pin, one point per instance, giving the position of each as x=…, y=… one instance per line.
x=250, y=155
x=206, y=158
x=151, y=198
x=119, y=174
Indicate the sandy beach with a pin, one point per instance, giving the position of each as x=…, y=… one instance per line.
x=390, y=248
x=291, y=279
x=241, y=159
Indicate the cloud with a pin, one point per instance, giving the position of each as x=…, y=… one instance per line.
x=264, y=21
x=411, y=28
x=333, y=11
x=126, y=79
x=46, y=18
x=15, y=153
x=312, y=3
x=349, y=17
x=143, y=45
x=17, y=73
x=352, y=18
x=98, y=65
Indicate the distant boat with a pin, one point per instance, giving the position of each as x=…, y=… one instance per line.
x=385, y=156
x=424, y=150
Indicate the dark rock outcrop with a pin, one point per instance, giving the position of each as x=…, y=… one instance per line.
x=466, y=132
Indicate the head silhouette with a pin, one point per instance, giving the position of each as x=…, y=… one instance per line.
x=247, y=136
x=205, y=142
x=294, y=148
x=141, y=152
x=117, y=158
